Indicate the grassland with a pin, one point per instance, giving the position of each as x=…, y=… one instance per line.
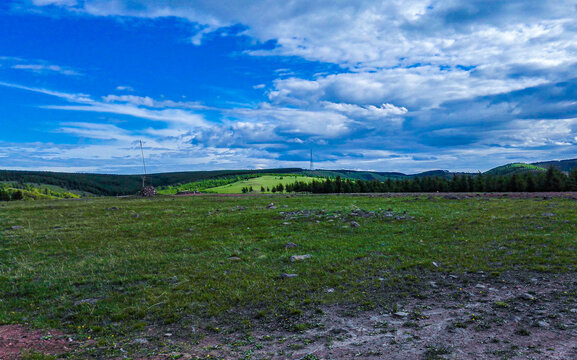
x=110, y=269
x=267, y=181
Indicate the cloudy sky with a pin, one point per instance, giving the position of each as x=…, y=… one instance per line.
x=386, y=85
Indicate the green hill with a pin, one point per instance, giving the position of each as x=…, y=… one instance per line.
x=515, y=168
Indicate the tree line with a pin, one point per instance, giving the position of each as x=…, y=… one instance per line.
x=544, y=181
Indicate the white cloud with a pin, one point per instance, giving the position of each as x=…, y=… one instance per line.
x=40, y=69
x=125, y=88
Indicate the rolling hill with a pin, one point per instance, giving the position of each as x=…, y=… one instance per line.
x=105, y=184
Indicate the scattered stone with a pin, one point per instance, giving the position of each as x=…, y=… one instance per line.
x=528, y=296
x=136, y=215
x=543, y=324
x=573, y=311
x=300, y=257
x=89, y=301
x=168, y=334
x=548, y=214
x=17, y=227
x=433, y=284
x=541, y=312
x=355, y=224
x=401, y=314
x=435, y=264
x=480, y=286
x=140, y=341
x=271, y=206
x=148, y=191
x=534, y=280
x=287, y=276
x=286, y=223
x=290, y=245
x=234, y=258
x=285, y=206
x=114, y=208
x=453, y=276
x=330, y=290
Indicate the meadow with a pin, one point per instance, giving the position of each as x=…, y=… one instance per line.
x=107, y=271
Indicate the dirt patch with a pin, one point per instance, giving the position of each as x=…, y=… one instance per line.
x=16, y=339
x=452, y=316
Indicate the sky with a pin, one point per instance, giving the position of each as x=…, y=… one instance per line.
x=384, y=85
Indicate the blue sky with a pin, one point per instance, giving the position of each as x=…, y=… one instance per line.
x=370, y=85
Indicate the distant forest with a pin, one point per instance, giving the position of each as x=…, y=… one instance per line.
x=550, y=180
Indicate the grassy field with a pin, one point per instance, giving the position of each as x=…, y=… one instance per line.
x=267, y=181
x=108, y=268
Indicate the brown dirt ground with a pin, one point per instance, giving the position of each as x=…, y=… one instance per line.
x=16, y=339
x=454, y=316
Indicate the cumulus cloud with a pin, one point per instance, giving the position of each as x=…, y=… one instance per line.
x=413, y=78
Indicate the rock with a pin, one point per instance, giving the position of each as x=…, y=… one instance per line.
x=435, y=264
x=300, y=257
x=148, y=191
x=528, y=296
x=288, y=276
x=168, y=334
x=355, y=224
x=271, y=206
x=548, y=214
x=453, y=276
x=234, y=258
x=17, y=227
x=330, y=290
x=541, y=312
x=480, y=286
x=433, y=284
x=285, y=206
x=290, y=245
x=543, y=324
x=89, y=301
x=136, y=215
x=534, y=280
x=140, y=341
x=114, y=208
x=401, y=314
x=286, y=223
x=573, y=311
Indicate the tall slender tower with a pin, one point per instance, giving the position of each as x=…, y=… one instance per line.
x=311, y=159
x=143, y=164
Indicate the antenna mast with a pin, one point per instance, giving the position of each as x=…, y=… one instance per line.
x=311, y=159
x=143, y=164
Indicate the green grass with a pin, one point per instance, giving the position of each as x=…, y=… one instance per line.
x=267, y=181
x=513, y=168
x=91, y=269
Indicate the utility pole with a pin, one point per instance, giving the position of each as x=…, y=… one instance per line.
x=143, y=164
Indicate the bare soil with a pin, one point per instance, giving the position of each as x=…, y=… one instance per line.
x=18, y=339
x=453, y=316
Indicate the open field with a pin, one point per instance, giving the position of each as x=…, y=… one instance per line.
x=210, y=277
x=267, y=181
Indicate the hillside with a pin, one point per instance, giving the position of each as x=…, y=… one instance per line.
x=105, y=184
x=515, y=168
x=563, y=165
